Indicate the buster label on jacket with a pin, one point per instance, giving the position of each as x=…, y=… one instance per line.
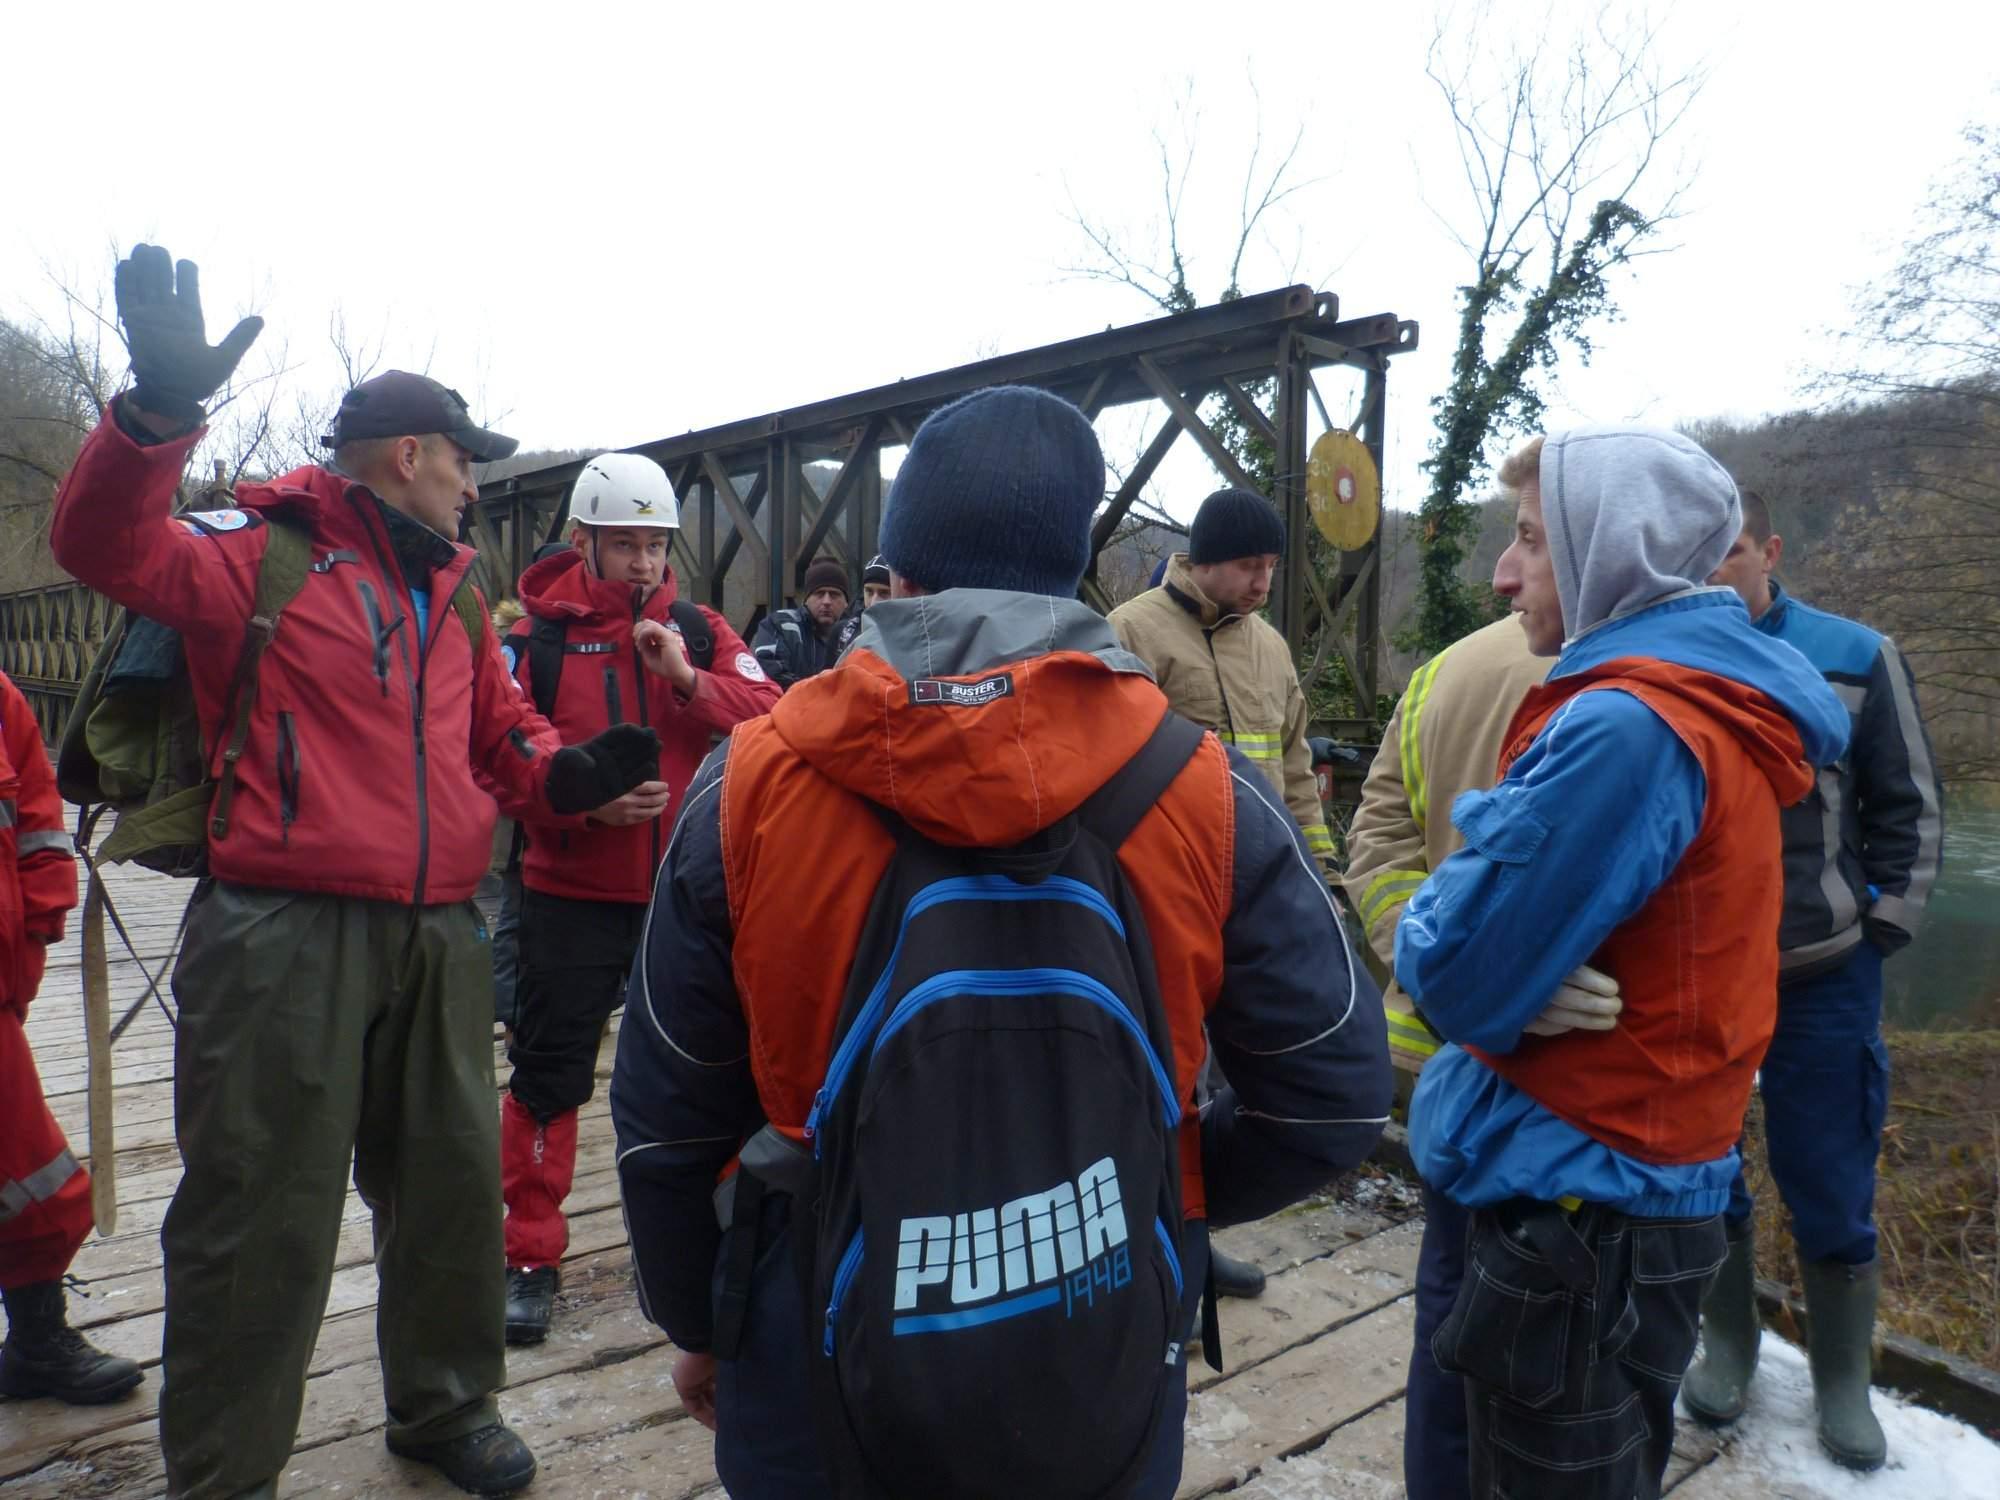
x=942, y=691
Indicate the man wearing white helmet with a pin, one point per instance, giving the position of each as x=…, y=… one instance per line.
x=604, y=641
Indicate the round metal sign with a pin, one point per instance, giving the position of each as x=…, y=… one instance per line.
x=1343, y=490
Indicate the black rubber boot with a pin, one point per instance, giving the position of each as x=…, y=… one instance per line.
x=531, y=1302
x=1840, y=1309
x=1235, y=1278
x=491, y=1461
x=1717, y=1388
x=44, y=1356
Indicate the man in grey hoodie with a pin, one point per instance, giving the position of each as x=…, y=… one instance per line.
x=1634, y=834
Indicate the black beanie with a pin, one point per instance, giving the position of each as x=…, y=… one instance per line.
x=825, y=573
x=996, y=492
x=1235, y=523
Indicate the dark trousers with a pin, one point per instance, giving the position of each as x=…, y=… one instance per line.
x=1435, y=1465
x=574, y=957
x=1825, y=1084
x=1572, y=1332
x=507, y=947
x=318, y=1033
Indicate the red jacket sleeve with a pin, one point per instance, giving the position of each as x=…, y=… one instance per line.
x=734, y=688
x=511, y=743
x=113, y=529
x=42, y=845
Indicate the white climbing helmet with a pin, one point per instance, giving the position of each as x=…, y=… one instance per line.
x=623, y=489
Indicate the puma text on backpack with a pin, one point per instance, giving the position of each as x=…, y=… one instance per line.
x=992, y=1235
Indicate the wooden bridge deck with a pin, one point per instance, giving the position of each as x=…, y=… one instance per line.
x=1311, y=1403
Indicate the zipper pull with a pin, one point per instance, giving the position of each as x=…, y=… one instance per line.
x=827, y=1344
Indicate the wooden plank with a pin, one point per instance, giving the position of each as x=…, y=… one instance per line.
x=1289, y=1404
x=1362, y=1457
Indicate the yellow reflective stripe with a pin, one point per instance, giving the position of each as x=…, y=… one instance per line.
x=1412, y=1035
x=1384, y=891
x=1319, y=839
x=1411, y=744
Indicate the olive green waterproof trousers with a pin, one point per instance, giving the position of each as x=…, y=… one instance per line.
x=316, y=1031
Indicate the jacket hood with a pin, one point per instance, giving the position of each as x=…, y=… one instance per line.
x=1703, y=647
x=563, y=588
x=1633, y=514
x=979, y=716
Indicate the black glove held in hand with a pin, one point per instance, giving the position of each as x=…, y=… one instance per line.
x=582, y=777
x=173, y=368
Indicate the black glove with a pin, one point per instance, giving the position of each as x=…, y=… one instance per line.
x=583, y=777
x=173, y=368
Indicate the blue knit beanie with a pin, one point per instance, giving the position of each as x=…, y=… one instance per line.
x=1235, y=523
x=997, y=492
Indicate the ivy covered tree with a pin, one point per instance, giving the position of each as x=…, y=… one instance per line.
x=1561, y=150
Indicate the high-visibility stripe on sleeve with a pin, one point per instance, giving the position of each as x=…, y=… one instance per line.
x=1385, y=891
x=38, y=839
x=1409, y=1034
x=1411, y=743
x=1319, y=839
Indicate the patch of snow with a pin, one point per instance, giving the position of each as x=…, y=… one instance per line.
x=1309, y=1477
x=1775, y=1445
x=1213, y=1420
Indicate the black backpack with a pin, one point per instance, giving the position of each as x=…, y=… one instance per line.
x=992, y=1235
x=548, y=640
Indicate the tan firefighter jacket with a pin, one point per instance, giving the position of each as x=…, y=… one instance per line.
x=1234, y=675
x=1444, y=738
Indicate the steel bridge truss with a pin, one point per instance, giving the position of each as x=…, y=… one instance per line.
x=780, y=489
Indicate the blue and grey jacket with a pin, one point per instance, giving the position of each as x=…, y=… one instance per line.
x=1862, y=851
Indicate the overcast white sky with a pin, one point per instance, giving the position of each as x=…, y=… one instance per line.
x=616, y=222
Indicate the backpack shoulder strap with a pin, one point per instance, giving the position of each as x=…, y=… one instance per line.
x=281, y=573
x=471, y=608
x=699, y=638
x=546, y=640
x=1114, y=809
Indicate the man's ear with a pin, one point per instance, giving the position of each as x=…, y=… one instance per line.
x=404, y=457
x=1773, y=550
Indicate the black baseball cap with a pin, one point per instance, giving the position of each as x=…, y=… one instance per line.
x=399, y=404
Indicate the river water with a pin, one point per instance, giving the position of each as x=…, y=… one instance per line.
x=1950, y=976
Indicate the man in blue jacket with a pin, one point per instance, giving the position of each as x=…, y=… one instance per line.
x=1861, y=855
x=1630, y=846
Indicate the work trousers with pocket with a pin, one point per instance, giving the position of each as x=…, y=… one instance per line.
x=1825, y=1084
x=1572, y=1331
x=318, y=1031
x=574, y=959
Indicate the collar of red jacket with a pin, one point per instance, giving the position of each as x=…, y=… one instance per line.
x=337, y=510
x=563, y=588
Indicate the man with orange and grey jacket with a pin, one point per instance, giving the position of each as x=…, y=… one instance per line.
x=44, y=1191
x=334, y=986
x=1632, y=843
x=981, y=704
x=604, y=641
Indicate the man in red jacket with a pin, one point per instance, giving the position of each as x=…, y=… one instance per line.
x=44, y=1192
x=335, y=984
x=605, y=642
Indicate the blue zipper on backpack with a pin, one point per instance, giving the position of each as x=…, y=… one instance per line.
x=959, y=888
x=1034, y=982
x=844, y=1273
x=1166, y=1240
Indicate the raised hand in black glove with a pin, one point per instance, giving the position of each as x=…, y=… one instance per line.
x=586, y=776
x=174, y=369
